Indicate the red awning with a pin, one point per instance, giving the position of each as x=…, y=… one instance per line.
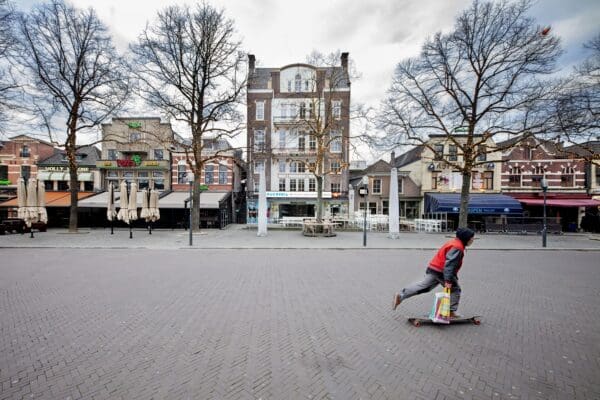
x=562, y=202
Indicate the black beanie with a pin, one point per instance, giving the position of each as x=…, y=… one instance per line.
x=464, y=234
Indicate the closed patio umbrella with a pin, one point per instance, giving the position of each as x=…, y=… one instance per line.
x=123, y=215
x=132, y=208
x=154, y=210
x=32, y=211
x=41, y=194
x=21, y=199
x=145, y=213
x=111, y=212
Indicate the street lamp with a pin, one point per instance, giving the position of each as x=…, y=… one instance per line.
x=544, y=184
x=364, y=191
x=190, y=179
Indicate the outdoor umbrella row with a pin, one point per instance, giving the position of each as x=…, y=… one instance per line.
x=128, y=206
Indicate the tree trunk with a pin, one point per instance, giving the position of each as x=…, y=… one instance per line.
x=196, y=202
x=71, y=149
x=464, y=199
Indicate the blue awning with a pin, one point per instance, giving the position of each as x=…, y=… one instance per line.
x=478, y=203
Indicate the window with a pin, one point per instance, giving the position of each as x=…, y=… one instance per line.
x=452, y=153
x=3, y=172
x=298, y=83
x=400, y=185
x=527, y=153
x=49, y=185
x=159, y=180
x=488, y=180
x=158, y=154
x=259, y=140
x=376, y=186
x=434, y=179
x=312, y=143
x=336, y=145
x=311, y=110
x=112, y=154
x=259, y=166
x=293, y=167
x=135, y=136
x=25, y=172
x=567, y=177
x=181, y=174
x=481, y=150
x=260, y=110
x=312, y=187
x=282, y=139
x=209, y=175
x=301, y=143
x=143, y=182
x=289, y=85
x=25, y=151
x=88, y=186
x=222, y=174
x=301, y=185
x=438, y=151
x=293, y=187
x=301, y=167
x=282, y=167
x=536, y=178
x=335, y=187
x=373, y=208
x=302, y=110
x=514, y=177
x=361, y=205
x=282, y=184
x=385, y=209
x=337, y=109
x=335, y=167
x=306, y=85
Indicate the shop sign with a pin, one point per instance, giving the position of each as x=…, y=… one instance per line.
x=307, y=195
x=134, y=161
x=61, y=169
x=108, y=163
x=151, y=163
x=134, y=124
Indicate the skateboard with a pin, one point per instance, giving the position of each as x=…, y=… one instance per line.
x=418, y=321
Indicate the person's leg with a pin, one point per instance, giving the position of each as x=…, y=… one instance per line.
x=425, y=285
x=454, y=297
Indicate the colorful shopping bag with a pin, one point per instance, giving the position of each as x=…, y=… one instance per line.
x=440, y=312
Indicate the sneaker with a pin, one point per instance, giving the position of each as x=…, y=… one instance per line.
x=454, y=315
x=397, y=301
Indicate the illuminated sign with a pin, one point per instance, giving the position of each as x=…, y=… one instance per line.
x=151, y=163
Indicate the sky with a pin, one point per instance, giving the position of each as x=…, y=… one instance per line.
x=377, y=33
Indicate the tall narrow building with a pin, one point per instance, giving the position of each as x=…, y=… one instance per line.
x=299, y=131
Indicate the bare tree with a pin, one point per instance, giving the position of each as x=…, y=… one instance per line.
x=577, y=106
x=482, y=79
x=8, y=83
x=77, y=73
x=190, y=64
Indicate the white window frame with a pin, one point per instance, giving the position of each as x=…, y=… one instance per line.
x=312, y=185
x=336, y=167
x=282, y=142
x=282, y=167
x=336, y=143
x=376, y=190
x=259, y=145
x=336, y=109
x=260, y=110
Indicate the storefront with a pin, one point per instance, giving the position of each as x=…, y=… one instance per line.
x=296, y=204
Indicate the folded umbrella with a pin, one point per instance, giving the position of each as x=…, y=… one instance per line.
x=132, y=208
x=123, y=214
x=41, y=202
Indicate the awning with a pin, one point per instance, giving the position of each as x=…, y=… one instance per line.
x=54, y=199
x=63, y=176
x=208, y=200
x=100, y=200
x=562, y=202
x=478, y=203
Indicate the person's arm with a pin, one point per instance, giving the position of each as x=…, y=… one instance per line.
x=453, y=258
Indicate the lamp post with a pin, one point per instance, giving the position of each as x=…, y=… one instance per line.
x=544, y=184
x=190, y=178
x=364, y=191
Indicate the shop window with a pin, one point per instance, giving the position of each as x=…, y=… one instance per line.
x=159, y=181
x=49, y=185
x=63, y=186
x=3, y=172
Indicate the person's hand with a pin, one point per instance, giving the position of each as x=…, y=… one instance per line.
x=448, y=285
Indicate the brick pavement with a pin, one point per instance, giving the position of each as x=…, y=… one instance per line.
x=292, y=324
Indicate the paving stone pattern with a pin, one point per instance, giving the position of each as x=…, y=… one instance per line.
x=292, y=324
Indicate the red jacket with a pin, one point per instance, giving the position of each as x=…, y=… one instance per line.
x=448, y=259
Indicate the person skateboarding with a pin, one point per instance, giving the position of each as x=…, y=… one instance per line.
x=442, y=270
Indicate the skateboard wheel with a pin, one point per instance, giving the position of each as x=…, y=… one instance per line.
x=476, y=321
x=417, y=323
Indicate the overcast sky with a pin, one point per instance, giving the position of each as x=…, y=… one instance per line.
x=376, y=33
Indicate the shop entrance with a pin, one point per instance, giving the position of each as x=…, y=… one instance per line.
x=296, y=210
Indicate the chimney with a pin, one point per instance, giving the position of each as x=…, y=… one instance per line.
x=393, y=159
x=251, y=62
x=345, y=61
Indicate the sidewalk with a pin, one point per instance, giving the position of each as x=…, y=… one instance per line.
x=242, y=237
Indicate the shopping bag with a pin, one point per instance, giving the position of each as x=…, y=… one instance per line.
x=440, y=312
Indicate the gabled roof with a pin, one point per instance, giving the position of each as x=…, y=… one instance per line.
x=409, y=157
x=88, y=156
x=586, y=149
x=30, y=138
x=551, y=147
x=379, y=166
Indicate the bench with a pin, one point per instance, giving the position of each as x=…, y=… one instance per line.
x=288, y=222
